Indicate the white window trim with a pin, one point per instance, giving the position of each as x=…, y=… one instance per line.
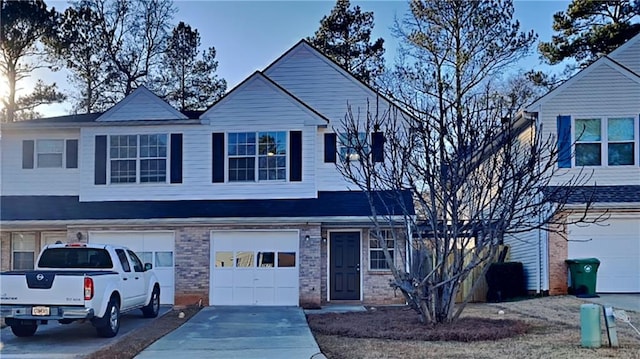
x=256, y=168
x=393, y=250
x=138, y=159
x=13, y=250
x=604, y=148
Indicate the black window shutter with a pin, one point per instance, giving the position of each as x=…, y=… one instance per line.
x=564, y=141
x=100, y=161
x=217, y=150
x=27, y=153
x=295, y=155
x=176, y=158
x=377, y=146
x=72, y=154
x=330, y=147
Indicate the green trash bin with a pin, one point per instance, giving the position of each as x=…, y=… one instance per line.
x=584, y=272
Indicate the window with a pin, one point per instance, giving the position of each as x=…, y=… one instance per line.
x=349, y=144
x=261, y=155
x=137, y=264
x=133, y=163
x=377, y=260
x=591, y=149
x=23, y=250
x=122, y=256
x=49, y=153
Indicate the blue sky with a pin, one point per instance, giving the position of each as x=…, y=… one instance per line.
x=249, y=35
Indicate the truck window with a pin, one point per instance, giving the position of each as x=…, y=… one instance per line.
x=122, y=256
x=137, y=264
x=75, y=258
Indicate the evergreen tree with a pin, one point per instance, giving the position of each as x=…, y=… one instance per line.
x=345, y=36
x=189, y=80
x=589, y=28
x=23, y=26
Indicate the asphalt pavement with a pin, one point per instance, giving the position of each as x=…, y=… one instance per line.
x=67, y=341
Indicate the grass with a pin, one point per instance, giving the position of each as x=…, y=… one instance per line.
x=537, y=328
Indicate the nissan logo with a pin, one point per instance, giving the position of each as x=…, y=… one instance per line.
x=40, y=276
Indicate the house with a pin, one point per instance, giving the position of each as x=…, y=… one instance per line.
x=595, y=117
x=241, y=204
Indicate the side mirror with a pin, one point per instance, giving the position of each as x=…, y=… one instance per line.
x=148, y=266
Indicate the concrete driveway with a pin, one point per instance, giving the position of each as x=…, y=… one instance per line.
x=75, y=340
x=238, y=332
x=618, y=301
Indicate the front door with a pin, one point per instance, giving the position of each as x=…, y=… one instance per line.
x=344, y=265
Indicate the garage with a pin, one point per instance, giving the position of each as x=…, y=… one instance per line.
x=254, y=268
x=155, y=247
x=616, y=243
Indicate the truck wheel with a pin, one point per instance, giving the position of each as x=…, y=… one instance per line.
x=24, y=330
x=151, y=310
x=110, y=323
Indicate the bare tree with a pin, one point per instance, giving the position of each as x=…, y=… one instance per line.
x=475, y=170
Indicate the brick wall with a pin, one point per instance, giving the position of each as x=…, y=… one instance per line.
x=192, y=265
x=5, y=251
x=310, y=267
x=376, y=288
x=558, y=252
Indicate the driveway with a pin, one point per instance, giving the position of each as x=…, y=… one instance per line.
x=238, y=332
x=618, y=301
x=75, y=340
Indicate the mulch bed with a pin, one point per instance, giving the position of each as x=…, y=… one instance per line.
x=402, y=323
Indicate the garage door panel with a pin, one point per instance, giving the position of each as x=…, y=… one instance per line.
x=253, y=258
x=616, y=244
x=154, y=247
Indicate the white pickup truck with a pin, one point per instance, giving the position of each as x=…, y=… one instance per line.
x=79, y=281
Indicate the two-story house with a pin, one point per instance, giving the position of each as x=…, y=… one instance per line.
x=595, y=117
x=239, y=204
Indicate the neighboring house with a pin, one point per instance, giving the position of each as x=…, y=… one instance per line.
x=595, y=116
x=239, y=204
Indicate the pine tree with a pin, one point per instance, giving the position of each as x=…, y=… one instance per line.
x=345, y=36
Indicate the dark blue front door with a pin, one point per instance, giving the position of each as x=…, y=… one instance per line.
x=344, y=265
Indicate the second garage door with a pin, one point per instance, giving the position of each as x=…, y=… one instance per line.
x=153, y=247
x=254, y=268
x=616, y=243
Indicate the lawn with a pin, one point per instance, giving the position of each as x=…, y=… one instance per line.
x=537, y=328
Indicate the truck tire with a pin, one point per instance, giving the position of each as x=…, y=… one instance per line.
x=24, y=330
x=109, y=325
x=152, y=309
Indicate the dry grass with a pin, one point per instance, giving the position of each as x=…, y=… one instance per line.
x=553, y=332
x=130, y=344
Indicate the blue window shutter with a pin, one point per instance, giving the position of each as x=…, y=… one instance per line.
x=638, y=140
x=377, y=146
x=100, y=161
x=28, y=146
x=295, y=155
x=330, y=141
x=176, y=158
x=217, y=151
x=564, y=141
x=72, y=154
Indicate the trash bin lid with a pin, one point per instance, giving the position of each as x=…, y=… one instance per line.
x=583, y=261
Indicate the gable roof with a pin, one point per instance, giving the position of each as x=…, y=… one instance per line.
x=603, y=61
x=153, y=108
x=259, y=76
x=329, y=61
x=623, y=47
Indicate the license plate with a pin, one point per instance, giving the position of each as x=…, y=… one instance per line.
x=40, y=311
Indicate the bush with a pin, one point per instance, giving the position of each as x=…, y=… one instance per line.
x=505, y=281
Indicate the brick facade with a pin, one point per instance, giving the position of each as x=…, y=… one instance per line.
x=558, y=253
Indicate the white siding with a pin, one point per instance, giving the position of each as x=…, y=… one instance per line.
x=141, y=105
x=629, y=56
x=322, y=85
x=530, y=249
x=595, y=95
x=14, y=180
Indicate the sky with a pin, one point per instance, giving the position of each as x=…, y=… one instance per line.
x=249, y=35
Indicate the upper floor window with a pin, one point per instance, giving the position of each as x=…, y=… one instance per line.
x=605, y=141
x=50, y=153
x=349, y=145
x=138, y=158
x=377, y=260
x=261, y=155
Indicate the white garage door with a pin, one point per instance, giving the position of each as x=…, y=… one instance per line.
x=616, y=243
x=156, y=248
x=254, y=268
